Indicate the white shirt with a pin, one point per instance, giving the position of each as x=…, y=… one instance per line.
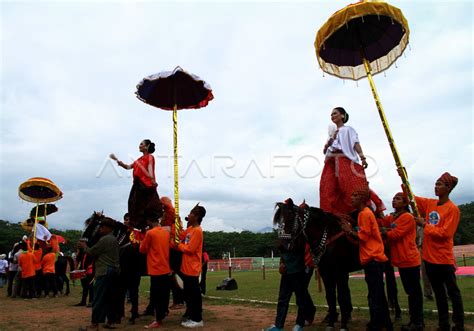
x=345, y=140
x=3, y=266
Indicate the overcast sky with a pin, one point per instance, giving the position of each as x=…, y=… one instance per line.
x=69, y=72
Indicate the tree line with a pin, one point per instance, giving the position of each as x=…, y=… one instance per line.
x=245, y=243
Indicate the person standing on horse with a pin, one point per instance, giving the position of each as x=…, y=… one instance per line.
x=106, y=255
x=372, y=258
x=143, y=195
x=399, y=228
x=342, y=174
x=191, y=267
x=439, y=227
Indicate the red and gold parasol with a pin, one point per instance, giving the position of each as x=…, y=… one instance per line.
x=361, y=40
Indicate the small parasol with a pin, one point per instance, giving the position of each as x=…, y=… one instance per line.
x=361, y=40
x=43, y=210
x=175, y=90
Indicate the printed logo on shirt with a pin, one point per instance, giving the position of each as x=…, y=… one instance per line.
x=434, y=217
x=187, y=239
x=393, y=225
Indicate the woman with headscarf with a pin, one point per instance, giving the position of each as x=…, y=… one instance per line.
x=143, y=202
x=342, y=174
x=439, y=226
x=399, y=229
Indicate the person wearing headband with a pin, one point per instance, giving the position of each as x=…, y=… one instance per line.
x=372, y=259
x=342, y=173
x=191, y=267
x=439, y=227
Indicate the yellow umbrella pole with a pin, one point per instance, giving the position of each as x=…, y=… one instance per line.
x=176, y=188
x=391, y=142
x=34, y=227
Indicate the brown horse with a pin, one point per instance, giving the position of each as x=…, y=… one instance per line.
x=333, y=253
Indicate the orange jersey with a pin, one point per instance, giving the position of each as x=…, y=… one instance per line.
x=370, y=245
x=402, y=240
x=48, y=263
x=157, y=250
x=192, y=251
x=441, y=225
x=38, y=255
x=27, y=264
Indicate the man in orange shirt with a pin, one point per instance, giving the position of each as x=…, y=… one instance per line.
x=442, y=219
x=49, y=272
x=191, y=267
x=156, y=246
x=372, y=258
x=26, y=262
x=400, y=231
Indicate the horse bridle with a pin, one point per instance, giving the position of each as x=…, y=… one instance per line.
x=301, y=225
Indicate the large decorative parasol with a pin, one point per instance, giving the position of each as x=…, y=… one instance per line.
x=39, y=190
x=175, y=90
x=361, y=40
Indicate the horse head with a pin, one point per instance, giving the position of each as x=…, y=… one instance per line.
x=289, y=220
x=91, y=231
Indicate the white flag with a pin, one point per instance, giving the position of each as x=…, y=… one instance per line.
x=42, y=232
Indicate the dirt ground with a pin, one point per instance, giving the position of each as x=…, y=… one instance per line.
x=60, y=314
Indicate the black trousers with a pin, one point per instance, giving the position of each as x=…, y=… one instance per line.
x=50, y=283
x=87, y=289
x=290, y=283
x=337, y=279
x=28, y=287
x=310, y=309
x=129, y=282
x=160, y=295
x=378, y=307
x=442, y=277
x=192, y=296
x=10, y=279
x=411, y=284
x=391, y=285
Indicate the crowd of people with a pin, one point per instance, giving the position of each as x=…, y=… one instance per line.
x=36, y=270
x=384, y=242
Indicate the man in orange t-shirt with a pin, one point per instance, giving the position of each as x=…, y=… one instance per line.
x=191, y=268
x=26, y=262
x=49, y=272
x=372, y=258
x=440, y=225
x=157, y=249
x=400, y=230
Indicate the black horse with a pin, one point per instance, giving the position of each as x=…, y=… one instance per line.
x=332, y=251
